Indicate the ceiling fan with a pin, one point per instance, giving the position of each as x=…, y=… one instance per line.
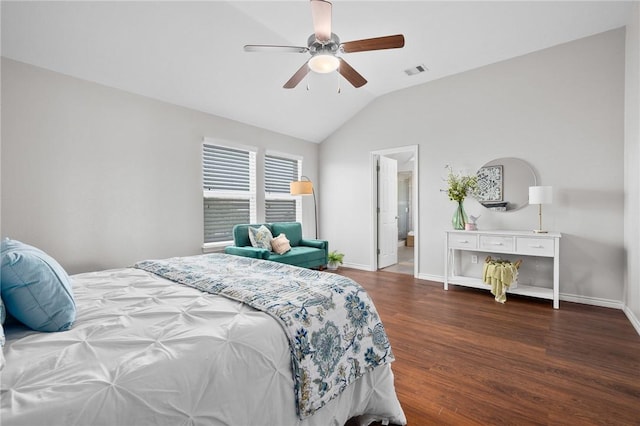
x=323, y=45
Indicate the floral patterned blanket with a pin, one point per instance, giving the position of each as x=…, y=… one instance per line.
x=334, y=331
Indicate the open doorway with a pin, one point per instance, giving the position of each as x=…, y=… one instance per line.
x=395, y=185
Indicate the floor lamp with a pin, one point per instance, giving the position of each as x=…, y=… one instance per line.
x=305, y=187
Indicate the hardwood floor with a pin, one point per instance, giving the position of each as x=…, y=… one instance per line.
x=464, y=359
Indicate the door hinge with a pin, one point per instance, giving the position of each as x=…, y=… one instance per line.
x=378, y=251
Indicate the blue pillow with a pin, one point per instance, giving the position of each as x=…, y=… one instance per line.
x=3, y=315
x=35, y=288
x=2, y=362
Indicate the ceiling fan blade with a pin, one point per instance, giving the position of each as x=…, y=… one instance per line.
x=350, y=74
x=273, y=48
x=321, y=14
x=297, y=77
x=377, y=43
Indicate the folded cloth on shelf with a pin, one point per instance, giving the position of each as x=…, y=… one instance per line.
x=500, y=274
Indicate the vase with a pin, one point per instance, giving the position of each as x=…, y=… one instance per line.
x=459, y=217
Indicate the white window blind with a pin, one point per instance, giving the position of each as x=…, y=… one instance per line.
x=281, y=211
x=229, y=190
x=279, y=172
x=227, y=169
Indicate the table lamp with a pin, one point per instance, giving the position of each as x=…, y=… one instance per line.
x=540, y=195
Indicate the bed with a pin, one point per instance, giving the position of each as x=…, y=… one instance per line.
x=152, y=345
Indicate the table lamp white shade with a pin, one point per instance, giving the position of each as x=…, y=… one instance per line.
x=540, y=195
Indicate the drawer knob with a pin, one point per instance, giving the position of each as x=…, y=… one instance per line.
x=497, y=244
x=536, y=246
x=463, y=241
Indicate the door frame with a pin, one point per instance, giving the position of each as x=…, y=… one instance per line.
x=373, y=255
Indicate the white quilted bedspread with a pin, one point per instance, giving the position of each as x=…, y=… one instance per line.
x=147, y=351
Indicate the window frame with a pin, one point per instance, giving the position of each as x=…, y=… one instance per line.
x=281, y=195
x=225, y=194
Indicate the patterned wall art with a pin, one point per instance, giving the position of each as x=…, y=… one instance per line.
x=490, y=186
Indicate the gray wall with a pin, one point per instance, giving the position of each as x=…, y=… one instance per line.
x=632, y=166
x=100, y=178
x=560, y=109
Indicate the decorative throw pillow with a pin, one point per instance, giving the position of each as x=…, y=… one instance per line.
x=280, y=244
x=260, y=237
x=36, y=290
x=1, y=347
x=2, y=317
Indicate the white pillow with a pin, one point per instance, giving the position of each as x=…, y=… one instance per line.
x=280, y=244
x=260, y=237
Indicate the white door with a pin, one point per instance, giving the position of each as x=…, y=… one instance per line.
x=387, y=212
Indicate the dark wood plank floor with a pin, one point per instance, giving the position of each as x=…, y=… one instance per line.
x=464, y=359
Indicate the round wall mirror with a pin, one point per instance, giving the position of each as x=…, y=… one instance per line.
x=503, y=184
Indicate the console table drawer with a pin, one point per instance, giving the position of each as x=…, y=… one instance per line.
x=496, y=242
x=463, y=242
x=535, y=246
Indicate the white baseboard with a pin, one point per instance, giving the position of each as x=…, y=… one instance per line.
x=595, y=301
x=429, y=277
x=358, y=266
x=632, y=318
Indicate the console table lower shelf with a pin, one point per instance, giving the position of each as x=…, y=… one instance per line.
x=523, y=290
x=503, y=242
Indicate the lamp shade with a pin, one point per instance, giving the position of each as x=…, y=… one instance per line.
x=540, y=195
x=301, y=187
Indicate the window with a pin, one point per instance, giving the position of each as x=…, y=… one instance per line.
x=279, y=171
x=229, y=190
x=280, y=211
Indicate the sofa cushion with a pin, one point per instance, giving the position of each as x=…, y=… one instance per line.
x=280, y=244
x=247, y=251
x=293, y=231
x=299, y=256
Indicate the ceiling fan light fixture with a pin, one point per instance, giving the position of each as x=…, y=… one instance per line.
x=324, y=63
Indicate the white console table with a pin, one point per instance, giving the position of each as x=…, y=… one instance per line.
x=525, y=243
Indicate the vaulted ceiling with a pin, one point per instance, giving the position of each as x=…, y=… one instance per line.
x=191, y=53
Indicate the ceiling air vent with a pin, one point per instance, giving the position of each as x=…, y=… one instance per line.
x=416, y=70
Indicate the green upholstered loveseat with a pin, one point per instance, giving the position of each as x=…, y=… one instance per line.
x=306, y=253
